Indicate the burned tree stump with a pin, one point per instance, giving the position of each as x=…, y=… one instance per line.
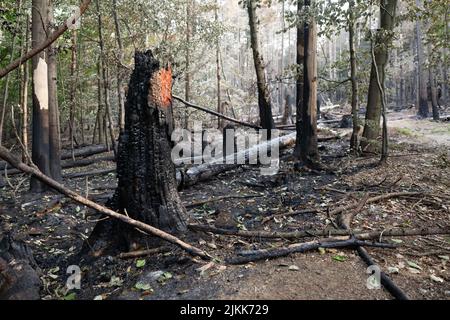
x=19, y=273
x=147, y=186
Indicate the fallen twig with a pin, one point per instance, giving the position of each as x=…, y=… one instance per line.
x=143, y=253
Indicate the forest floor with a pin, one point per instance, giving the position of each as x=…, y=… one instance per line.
x=55, y=228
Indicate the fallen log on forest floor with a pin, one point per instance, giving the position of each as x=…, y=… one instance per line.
x=295, y=235
x=210, y=169
x=257, y=255
x=6, y=155
x=66, y=155
x=89, y=173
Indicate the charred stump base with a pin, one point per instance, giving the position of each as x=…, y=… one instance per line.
x=147, y=187
x=19, y=273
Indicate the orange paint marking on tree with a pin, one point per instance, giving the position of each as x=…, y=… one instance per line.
x=161, y=88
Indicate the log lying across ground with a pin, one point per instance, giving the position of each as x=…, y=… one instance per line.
x=257, y=255
x=6, y=155
x=67, y=154
x=295, y=235
x=210, y=169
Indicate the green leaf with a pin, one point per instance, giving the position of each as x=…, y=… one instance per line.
x=164, y=277
x=71, y=296
x=414, y=265
x=339, y=258
x=143, y=286
x=140, y=263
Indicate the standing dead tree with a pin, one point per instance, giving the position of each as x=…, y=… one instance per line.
x=147, y=186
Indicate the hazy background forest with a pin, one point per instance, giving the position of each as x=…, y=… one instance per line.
x=210, y=39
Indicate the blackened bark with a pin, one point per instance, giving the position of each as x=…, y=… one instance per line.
x=300, y=56
x=309, y=153
x=264, y=104
x=147, y=187
x=40, y=145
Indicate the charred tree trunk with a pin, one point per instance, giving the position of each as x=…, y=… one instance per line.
x=53, y=108
x=433, y=91
x=300, y=56
x=309, y=153
x=265, y=106
x=423, y=95
x=147, y=186
x=354, y=141
x=40, y=146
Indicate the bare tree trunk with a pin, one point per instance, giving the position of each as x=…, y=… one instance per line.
x=219, y=100
x=147, y=187
x=369, y=143
x=265, y=107
x=73, y=89
x=53, y=109
x=105, y=80
x=434, y=97
x=300, y=57
x=309, y=153
x=40, y=146
x=281, y=84
x=187, y=78
x=423, y=94
x=24, y=94
x=98, y=129
x=6, y=90
x=120, y=56
x=354, y=141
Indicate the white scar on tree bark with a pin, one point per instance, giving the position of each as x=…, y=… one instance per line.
x=41, y=84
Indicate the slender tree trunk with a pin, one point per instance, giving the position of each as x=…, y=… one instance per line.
x=98, y=129
x=24, y=95
x=187, y=79
x=40, y=146
x=300, y=57
x=434, y=97
x=309, y=153
x=6, y=90
x=354, y=141
x=54, y=130
x=281, y=84
x=265, y=107
x=73, y=89
x=423, y=94
x=120, y=56
x=105, y=80
x=383, y=38
x=219, y=100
